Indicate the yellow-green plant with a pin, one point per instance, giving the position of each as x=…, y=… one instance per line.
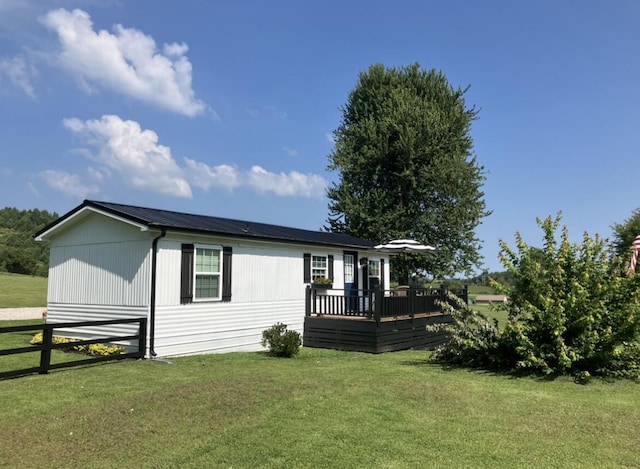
x=97, y=350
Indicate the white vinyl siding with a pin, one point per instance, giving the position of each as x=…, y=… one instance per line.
x=87, y=266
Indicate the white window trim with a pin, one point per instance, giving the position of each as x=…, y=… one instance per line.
x=194, y=273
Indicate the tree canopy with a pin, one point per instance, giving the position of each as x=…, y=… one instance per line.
x=624, y=234
x=19, y=253
x=407, y=169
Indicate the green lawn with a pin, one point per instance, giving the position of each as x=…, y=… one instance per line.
x=322, y=409
x=22, y=291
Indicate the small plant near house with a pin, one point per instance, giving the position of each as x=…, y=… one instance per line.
x=281, y=342
x=95, y=350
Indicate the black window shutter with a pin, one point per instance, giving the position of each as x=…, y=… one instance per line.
x=307, y=267
x=382, y=274
x=364, y=262
x=330, y=266
x=186, y=274
x=227, y=252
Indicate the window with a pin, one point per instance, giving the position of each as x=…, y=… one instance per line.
x=349, y=269
x=374, y=269
x=318, y=267
x=205, y=273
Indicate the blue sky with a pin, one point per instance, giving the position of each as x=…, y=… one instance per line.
x=227, y=108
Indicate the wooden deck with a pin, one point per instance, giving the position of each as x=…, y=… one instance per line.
x=374, y=321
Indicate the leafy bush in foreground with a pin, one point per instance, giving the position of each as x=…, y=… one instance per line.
x=281, y=342
x=572, y=310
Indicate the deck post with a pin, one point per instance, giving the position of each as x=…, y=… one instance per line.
x=443, y=295
x=377, y=304
x=307, y=301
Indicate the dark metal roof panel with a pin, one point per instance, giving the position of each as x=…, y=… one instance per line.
x=225, y=226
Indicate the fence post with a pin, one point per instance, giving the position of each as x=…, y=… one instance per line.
x=45, y=353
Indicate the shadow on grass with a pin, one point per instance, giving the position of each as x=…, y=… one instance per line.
x=506, y=372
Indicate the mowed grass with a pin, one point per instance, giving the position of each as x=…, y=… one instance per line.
x=22, y=291
x=322, y=409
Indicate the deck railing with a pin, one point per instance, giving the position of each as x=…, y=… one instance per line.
x=377, y=303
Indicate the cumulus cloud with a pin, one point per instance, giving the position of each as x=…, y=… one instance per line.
x=205, y=177
x=134, y=153
x=69, y=184
x=291, y=184
x=18, y=73
x=121, y=151
x=126, y=61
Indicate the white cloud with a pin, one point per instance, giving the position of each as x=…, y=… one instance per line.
x=291, y=184
x=69, y=184
x=123, y=152
x=330, y=138
x=204, y=176
x=19, y=73
x=133, y=153
x=126, y=61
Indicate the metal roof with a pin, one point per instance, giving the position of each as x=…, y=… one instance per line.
x=185, y=222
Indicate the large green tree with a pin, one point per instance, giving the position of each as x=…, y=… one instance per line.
x=407, y=169
x=19, y=253
x=624, y=234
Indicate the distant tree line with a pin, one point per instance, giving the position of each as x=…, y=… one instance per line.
x=19, y=253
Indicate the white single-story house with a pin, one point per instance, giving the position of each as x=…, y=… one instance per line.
x=206, y=284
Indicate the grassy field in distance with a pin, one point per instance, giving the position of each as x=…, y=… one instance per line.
x=22, y=291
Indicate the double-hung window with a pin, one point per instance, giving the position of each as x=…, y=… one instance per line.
x=319, y=267
x=207, y=273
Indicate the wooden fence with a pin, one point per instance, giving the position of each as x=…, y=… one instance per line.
x=48, y=345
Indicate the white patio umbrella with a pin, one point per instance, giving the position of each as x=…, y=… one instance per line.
x=400, y=246
x=404, y=245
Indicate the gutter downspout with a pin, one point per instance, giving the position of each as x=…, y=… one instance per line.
x=152, y=303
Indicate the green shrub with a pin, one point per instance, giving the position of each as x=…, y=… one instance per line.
x=473, y=339
x=96, y=350
x=281, y=342
x=572, y=310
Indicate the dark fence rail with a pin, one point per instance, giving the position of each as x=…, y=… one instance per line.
x=47, y=344
x=377, y=304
